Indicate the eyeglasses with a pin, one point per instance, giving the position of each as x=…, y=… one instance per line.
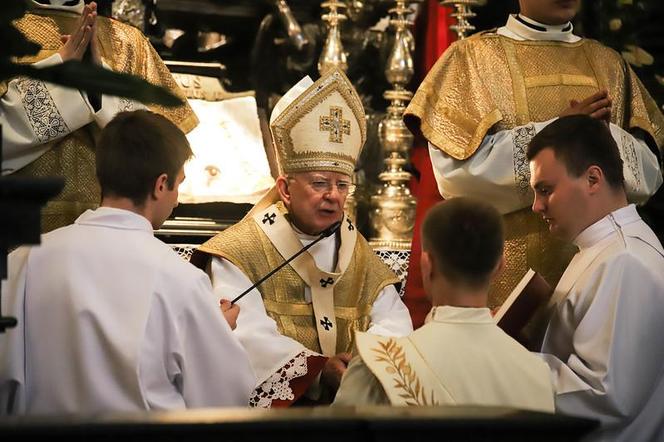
x=325, y=186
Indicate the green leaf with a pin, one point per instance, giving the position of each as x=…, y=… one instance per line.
x=94, y=79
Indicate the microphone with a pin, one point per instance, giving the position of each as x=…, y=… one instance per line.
x=324, y=234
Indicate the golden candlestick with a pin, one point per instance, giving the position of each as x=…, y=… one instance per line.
x=333, y=54
x=393, y=206
x=462, y=13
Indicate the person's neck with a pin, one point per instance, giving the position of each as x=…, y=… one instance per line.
x=124, y=204
x=459, y=296
x=543, y=23
x=612, y=202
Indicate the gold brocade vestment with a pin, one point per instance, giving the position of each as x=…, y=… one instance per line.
x=125, y=50
x=490, y=83
x=247, y=247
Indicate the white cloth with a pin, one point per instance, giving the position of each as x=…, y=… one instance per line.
x=602, y=342
x=459, y=357
x=490, y=174
x=33, y=112
x=268, y=349
x=229, y=162
x=111, y=319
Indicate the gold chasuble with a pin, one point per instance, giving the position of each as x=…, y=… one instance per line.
x=124, y=49
x=341, y=301
x=489, y=83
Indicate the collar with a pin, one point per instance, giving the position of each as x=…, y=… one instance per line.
x=610, y=224
x=75, y=6
x=466, y=315
x=520, y=27
x=114, y=218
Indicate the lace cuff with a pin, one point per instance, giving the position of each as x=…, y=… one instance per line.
x=289, y=382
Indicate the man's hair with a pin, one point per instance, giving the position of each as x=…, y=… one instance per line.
x=465, y=238
x=134, y=149
x=579, y=141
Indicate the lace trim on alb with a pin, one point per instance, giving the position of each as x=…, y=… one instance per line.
x=277, y=386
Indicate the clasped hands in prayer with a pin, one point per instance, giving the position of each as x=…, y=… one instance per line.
x=597, y=106
x=85, y=32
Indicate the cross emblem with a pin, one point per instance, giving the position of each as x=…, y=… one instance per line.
x=335, y=124
x=351, y=227
x=325, y=322
x=325, y=282
x=269, y=217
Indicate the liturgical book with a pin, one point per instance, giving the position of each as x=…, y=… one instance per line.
x=530, y=295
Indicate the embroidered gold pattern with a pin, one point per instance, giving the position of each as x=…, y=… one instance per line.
x=403, y=374
x=335, y=124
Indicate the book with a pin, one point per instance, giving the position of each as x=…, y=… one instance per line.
x=529, y=296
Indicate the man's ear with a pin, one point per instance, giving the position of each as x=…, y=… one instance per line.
x=594, y=177
x=282, y=188
x=426, y=265
x=500, y=266
x=160, y=186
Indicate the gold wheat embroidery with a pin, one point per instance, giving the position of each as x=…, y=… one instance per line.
x=404, y=376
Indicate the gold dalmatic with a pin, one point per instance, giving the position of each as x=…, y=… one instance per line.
x=341, y=300
x=488, y=83
x=125, y=50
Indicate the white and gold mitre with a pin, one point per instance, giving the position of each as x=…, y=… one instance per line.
x=319, y=126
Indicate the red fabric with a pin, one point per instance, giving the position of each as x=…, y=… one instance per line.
x=300, y=385
x=437, y=38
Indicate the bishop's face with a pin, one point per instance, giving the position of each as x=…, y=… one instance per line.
x=315, y=200
x=550, y=12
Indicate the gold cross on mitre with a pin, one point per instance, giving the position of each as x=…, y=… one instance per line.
x=335, y=124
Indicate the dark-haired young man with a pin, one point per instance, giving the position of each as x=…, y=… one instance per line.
x=607, y=309
x=460, y=356
x=110, y=318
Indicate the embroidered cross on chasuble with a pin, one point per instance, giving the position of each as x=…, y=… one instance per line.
x=341, y=300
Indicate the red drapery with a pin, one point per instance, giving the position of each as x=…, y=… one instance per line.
x=434, y=33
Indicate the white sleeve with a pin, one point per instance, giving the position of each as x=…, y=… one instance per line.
x=640, y=166
x=616, y=362
x=268, y=349
x=389, y=315
x=112, y=105
x=499, y=172
x=215, y=368
x=33, y=112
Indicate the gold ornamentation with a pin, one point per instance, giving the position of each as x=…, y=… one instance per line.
x=404, y=377
x=335, y=124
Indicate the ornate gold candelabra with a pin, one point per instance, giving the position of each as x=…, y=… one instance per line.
x=333, y=54
x=393, y=206
x=462, y=13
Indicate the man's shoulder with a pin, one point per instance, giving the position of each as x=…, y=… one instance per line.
x=601, y=51
x=237, y=236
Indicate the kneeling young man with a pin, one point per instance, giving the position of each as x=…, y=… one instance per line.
x=111, y=318
x=460, y=356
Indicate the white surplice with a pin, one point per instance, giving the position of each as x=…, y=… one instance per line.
x=111, y=319
x=603, y=342
x=269, y=350
x=459, y=357
x=34, y=112
x=489, y=174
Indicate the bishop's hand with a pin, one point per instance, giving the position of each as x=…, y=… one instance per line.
x=75, y=44
x=597, y=106
x=334, y=369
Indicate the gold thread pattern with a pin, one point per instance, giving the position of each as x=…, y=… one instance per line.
x=521, y=137
x=335, y=124
x=404, y=377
